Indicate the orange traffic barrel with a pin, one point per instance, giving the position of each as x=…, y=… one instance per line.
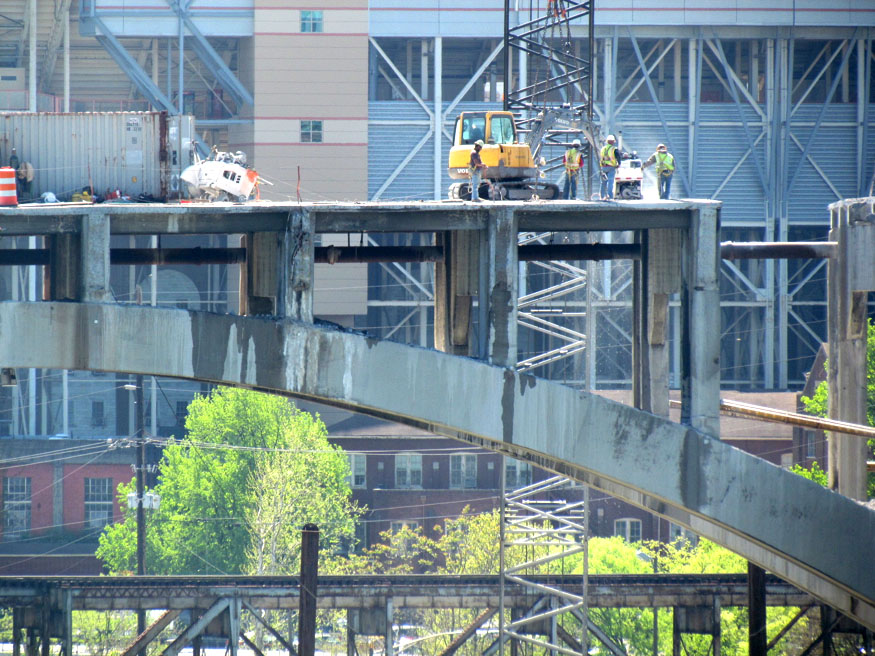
x=8, y=197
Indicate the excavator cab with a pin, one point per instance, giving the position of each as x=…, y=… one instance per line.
x=511, y=172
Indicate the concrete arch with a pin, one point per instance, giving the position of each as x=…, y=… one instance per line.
x=819, y=540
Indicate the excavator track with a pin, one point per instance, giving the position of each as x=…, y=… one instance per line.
x=506, y=191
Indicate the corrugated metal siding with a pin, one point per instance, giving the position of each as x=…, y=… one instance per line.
x=424, y=18
x=719, y=148
x=389, y=144
x=834, y=150
x=103, y=151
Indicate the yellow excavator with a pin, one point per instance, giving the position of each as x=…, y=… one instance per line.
x=512, y=172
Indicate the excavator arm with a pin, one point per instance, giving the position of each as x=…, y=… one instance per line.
x=563, y=118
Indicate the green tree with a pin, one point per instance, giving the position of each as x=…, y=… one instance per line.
x=818, y=403
x=223, y=500
x=814, y=473
x=469, y=545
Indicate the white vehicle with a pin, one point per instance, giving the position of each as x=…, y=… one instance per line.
x=627, y=183
x=222, y=176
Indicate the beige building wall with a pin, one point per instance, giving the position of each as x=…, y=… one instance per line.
x=300, y=76
x=310, y=76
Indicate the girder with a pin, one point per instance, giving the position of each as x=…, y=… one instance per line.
x=762, y=512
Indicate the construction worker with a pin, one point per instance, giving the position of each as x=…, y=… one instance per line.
x=609, y=160
x=573, y=161
x=664, y=169
x=475, y=166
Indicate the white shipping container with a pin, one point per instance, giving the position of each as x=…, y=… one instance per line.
x=132, y=152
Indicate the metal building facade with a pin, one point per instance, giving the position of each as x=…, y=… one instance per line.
x=766, y=106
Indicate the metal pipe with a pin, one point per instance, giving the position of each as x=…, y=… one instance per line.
x=344, y=254
x=550, y=252
x=777, y=250
x=141, y=491
x=158, y=256
x=748, y=411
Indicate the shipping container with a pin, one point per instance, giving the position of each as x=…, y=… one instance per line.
x=133, y=153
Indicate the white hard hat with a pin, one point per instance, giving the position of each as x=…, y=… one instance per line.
x=576, y=142
x=661, y=147
x=611, y=138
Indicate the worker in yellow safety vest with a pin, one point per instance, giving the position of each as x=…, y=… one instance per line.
x=609, y=160
x=573, y=161
x=664, y=162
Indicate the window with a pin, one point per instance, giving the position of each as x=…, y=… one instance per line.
x=408, y=470
x=810, y=451
x=311, y=21
x=361, y=537
x=16, y=506
x=501, y=130
x=311, y=131
x=473, y=128
x=407, y=541
x=97, y=418
x=679, y=533
x=628, y=529
x=181, y=411
x=357, y=469
x=517, y=474
x=463, y=471
x=98, y=502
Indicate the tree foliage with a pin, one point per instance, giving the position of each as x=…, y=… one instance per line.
x=236, y=491
x=818, y=403
x=470, y=545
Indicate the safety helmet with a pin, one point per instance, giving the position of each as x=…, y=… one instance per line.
x=576, y=143
x=479, y=142
x=661, y=147
x=611, y=138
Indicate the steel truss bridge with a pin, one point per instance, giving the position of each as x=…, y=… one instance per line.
x=44, y=606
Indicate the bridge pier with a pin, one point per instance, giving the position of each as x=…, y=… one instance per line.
x=657, y=276
x=703, y=620
x=700, y=321
x=503, y=287
x=851, y=277
x=78, y=262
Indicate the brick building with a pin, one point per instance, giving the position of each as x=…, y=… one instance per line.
x=57, y=495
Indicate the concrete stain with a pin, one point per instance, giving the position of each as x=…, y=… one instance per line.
x=691, y=470
x=507, y=407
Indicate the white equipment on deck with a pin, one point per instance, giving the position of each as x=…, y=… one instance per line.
x=222, y=176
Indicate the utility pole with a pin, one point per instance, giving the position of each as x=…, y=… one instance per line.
x=308, y=594
x=141, y=491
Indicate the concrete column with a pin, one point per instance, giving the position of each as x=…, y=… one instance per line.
x=233, y=625
x=658, y=275
x=63, y=275
x=503, y=287
x=850, y=278
x=700, y=309
x=456, y=283
x=389, y=650
x=259, y=278
x=296, y=285
x=95, y=258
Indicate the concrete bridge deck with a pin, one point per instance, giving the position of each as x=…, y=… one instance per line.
x=820, y=541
